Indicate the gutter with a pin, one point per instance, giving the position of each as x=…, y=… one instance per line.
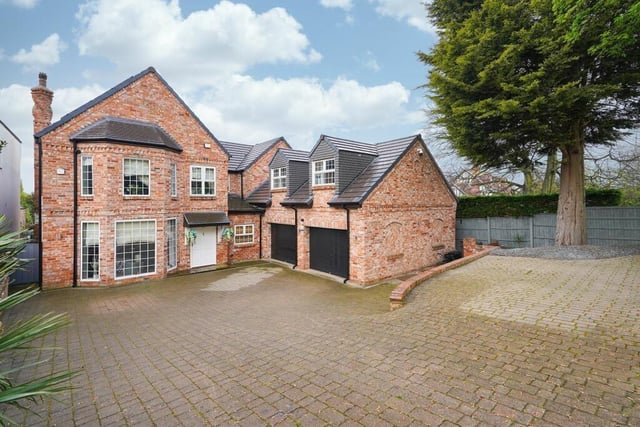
x=39, y=142
x=295, y=225
x=348, y=242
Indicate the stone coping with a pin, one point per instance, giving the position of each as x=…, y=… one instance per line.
x=400, y=293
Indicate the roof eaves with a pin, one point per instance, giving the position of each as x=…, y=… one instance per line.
x=10, y=131
x=268, y=145
x=73, y=114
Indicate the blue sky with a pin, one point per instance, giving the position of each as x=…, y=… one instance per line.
x=250, y=70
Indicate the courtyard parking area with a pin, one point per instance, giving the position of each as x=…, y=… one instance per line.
x=501, y=341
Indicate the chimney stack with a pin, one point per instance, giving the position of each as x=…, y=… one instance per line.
x=42, y=98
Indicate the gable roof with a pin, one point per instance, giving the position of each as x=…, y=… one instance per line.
x=150, y=70
x=243, y=156
x=127, y=131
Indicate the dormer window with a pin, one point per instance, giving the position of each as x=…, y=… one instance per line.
x=278, y=178
x=324, y=172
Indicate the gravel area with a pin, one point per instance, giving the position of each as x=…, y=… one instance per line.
x=571, y=252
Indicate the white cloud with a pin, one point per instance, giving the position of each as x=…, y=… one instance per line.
x=41, y=55
x=413, y=11
x=15, y=110
x=369, y=61
x=340, y=4
x=247, y=110
x=25, y=4
x=227, y=38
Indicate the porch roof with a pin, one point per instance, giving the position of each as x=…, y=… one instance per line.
x=203, y=219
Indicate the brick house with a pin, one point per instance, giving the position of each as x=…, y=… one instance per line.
x=248, y=176
x=129, y=186
x=364, y=212
x=133, y=186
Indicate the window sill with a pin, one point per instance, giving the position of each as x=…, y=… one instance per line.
x=323, y=186
x=243, y=245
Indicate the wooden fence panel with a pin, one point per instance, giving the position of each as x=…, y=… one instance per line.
x=30, y=272
x=606, y=226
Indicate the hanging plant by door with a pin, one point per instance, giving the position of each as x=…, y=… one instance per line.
x=191, y=237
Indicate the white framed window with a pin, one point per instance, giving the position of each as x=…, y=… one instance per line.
x=90, y=252
x=135, y=248
x=136, y=177
x=243, y=234
x=203, y=181
x=172, y=243
x=86, y=166
x=279, y=178
x=173, y=181
x=324, y=172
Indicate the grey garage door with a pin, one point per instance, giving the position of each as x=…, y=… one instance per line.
x=329, y=251
x=284, y=246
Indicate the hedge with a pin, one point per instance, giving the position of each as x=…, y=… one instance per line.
x=527, y=205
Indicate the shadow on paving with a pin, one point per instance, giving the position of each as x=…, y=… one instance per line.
x=263, y=345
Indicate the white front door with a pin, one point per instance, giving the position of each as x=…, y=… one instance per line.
x=203, y=249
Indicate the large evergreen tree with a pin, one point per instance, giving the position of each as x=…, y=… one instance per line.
x=515, y=79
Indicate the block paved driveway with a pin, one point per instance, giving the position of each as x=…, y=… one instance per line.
x=502, y=341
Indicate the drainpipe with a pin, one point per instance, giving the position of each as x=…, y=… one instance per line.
x=348, y=243
x=75, y=213
x=260, y=227
x=39, y=142
x=295, y=225
x=242, y=185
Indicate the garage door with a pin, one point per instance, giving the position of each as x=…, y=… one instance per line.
x=329, y=251
x=284, y=245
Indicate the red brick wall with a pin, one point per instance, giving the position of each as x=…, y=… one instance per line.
x=259, y=171
x=246, y=251
x=407, y=222
x=146, y=99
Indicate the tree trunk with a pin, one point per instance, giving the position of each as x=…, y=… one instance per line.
x=571, y=226
x=527, y=186
x=550, y=172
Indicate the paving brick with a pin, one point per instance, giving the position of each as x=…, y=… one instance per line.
x=297, y=349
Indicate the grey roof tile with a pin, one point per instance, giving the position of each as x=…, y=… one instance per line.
x=295, y=155
x=388, y=154
x=261, y=195
x=300, y=197
x=203, y=219
x=236, y=204
x=242, y=156
x=349, y=145
x=127, y=131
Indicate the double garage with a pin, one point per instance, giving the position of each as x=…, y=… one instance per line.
x=328, y=248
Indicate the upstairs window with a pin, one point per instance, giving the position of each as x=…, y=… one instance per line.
x=87, y=175
x=136, y=177
x=173, y=182
x=324, y=172
x=278, y=178
x=203, y=181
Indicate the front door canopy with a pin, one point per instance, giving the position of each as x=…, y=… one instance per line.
x=204, y=219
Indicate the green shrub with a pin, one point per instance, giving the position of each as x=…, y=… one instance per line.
x=527, y=205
